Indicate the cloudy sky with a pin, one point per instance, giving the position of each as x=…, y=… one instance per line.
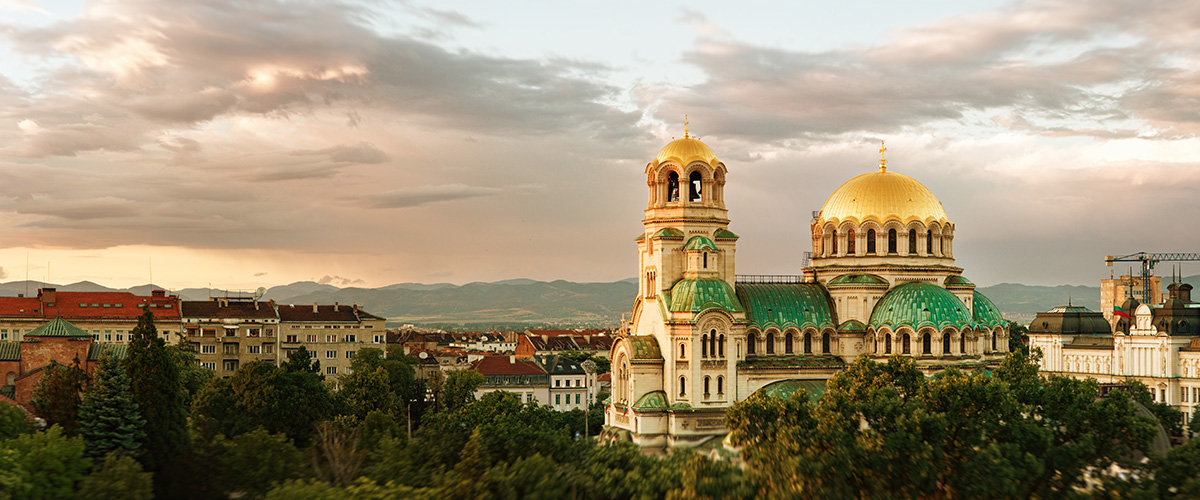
x=253, y=143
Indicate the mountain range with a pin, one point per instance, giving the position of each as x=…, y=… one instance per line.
x=525, y=301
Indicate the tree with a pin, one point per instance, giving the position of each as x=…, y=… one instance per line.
x=301, y=361
x=58, y=395
x=250, y=464
x=120, y=476
x=1018, y=337
x=460, y=388
x=13, y=421
x=261, y=394
x=603, y=364
x=109, y=418
x=156, y=387
x=192, y=376
x=337, y=457
x=50, y=464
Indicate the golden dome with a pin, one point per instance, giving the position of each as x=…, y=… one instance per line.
x=882, y=196
x=685, y=151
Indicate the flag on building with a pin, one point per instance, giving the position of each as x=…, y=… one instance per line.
x=1120, y=313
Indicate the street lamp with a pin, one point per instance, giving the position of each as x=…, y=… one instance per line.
x=589, y=367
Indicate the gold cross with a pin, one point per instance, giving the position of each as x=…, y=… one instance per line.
x=685, y=127
x=882, y=161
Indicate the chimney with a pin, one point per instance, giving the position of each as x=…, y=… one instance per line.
x=512, y=359
x=315, y=308
x=545, y=338
x=1185, y=293
x=48, y=295
x=1173, y=290
x=256, y=305
x=158, y=294
x=335, y=305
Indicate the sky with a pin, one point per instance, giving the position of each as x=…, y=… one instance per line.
x=238, y=144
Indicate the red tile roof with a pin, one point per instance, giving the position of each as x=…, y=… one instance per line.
x=89, y=305
x=505, y=365
x=324, y=313
x=227, y=309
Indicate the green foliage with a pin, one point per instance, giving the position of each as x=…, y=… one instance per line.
x=192, y=376
x=1193, y=426
x=156, y=386
x=387, y=384
x=57, y=396
x=1018, y=337
x=50, y=464
x=302, y=361
x=603, y=365
x=12, y=475
x=13, y=421
x=250, y=464
x=109, y=419
x=363, y=489
x=883, y=430
x=460, y=388
x=119, y=476
x=262, y=395
x=1170, y=418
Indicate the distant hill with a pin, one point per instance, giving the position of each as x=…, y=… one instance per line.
x=526, y=301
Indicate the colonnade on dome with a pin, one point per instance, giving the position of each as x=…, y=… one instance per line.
x=888, y=239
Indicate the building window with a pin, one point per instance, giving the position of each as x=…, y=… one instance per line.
x=557, y=383
x=208, y=349
x=905, y=346
x=208, y=332
x=330, y=354
x=825, y=343
x=108, y=335
x=350, y=354
x=4, y=335
x=835, y=238
x=870, y=241
x=529, y=397
x=253, y=332
x=682, y=351
x=352, y=338
x=751, y=343
x=230, y=365
x=770, y=342
x=807, y=343
x=887, y=344
x=576, y=398
x=673, y=187
x=850, y=243
x=120, y=337
x=891, y=241
x=926, y=344
x=721, y=345
x=331, y=370
x=330, y=339
x=268, y=348
x=289, y=338
x=379, y=339
x=720, y=385
x=704, y=346
x=962, y=342
x=254, y=349
x=683, y=386
x=210, y=365
x=929, y=242
x=695, y=186
x=558, y=399
x=912, y=241
x=946, y=343
x=787, y=343
x=231, y=348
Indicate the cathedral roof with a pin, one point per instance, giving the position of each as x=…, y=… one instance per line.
x=918, y=304
x=650, y=401
x=698, y=294
x=785, y=388
x=882, y=196
x=686, y=150
x=645, y=348
x=1070, y=320
x=58, y=327
x=700, y=243
x=858, y=279
x=783, y=305
x=957, y=281
x=985, y=311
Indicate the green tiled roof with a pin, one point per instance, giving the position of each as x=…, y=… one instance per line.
x=853, y=325
x=9, y=391
x=668, y=232
x=787, y=304
x=10, y=351
x=97, y=351
x=986, y=312
x=917, y=304
x=797, y=361
x=699, y=294
x=58, y=327
x=682, y=406
x=858, y=279
x=785, y=388
x=700, y=243
x=645, y=347
x=725, y=234
x=640, y=237
x=653, y=400
x=956, y=280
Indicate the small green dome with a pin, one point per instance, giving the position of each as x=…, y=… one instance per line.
x=725, y=234
x=651, y=401
x=918, y=304
x=785, y=388
x=852, y=326
x=956, y=280
x=700, y=243
x=857, y=279
x=698, y=294
x=682, y=406
x=668, y=232
x=782, y=305
x=986, y=313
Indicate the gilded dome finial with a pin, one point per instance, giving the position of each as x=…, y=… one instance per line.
x=686, y=135
x=882, y=160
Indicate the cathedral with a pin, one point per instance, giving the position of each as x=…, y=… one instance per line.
x=881, y=282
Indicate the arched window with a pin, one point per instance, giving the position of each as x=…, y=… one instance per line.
x=993, y=341
x=871, y=242
x=705, y=260
x=673, y=187
x=906, y=344
x=807, y=343
x=704, y=346
x=787, y=343
x=850, y=243
x=683, y=386
x=887, y=344
x=706, y=386
x=682, y=351
x=926, y=344
x=825, y=343
x=712, y=343
x=946, y=343
x=720, y=385
x=835, y=241
x=962, y=342
x=912, y=241
x=891, y=240
x=771, y=343
x=694, y=186
x=721, y=346
x=751, y=343
x=929, y=242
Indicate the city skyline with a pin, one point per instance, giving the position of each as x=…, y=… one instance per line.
x=238, y=145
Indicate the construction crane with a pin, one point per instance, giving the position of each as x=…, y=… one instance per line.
x=1148, y=261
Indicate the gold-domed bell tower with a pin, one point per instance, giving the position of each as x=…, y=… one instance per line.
x=686, y=185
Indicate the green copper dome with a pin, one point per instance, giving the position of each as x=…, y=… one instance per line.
x=700, y=243
x=58, y=327
x=725, y=234
x=645, y=348
x=651, y=401
x=668, y=232
x=785, y=388
x=986, y=312
x=957, y=281
x=852, y=326
x=787, y=304
x=699, y=294
x=857, y=279
x=917, y=304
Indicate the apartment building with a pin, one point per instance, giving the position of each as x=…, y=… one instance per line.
x=107, y=316
x=227, y=333
x=333, y=333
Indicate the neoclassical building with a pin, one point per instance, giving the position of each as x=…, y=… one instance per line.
x=882, y=281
